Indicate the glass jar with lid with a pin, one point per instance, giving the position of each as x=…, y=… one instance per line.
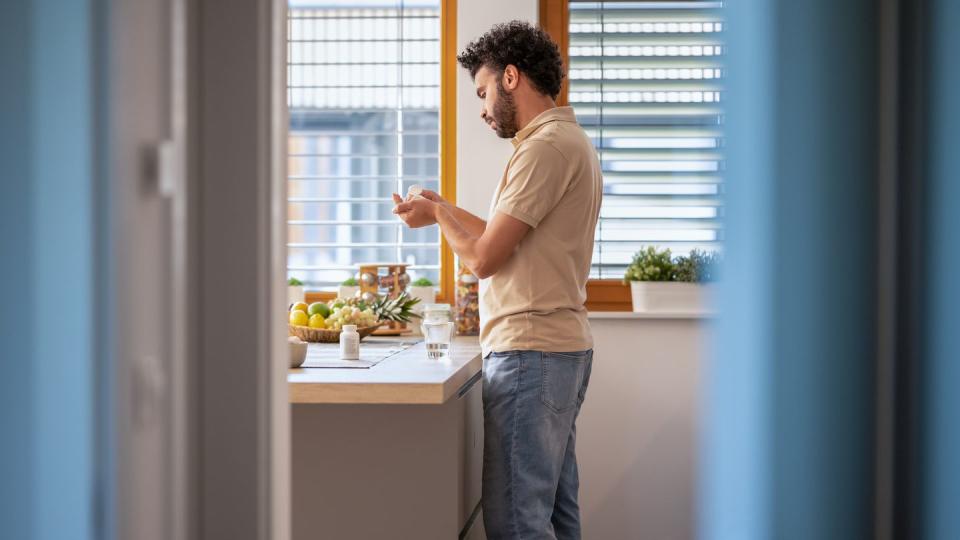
x=468, y=302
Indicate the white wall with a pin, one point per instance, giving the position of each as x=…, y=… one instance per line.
x=481, y=155
x=637, y=432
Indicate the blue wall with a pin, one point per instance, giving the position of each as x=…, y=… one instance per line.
x=16, y=276
x=788, y=405
x=942, y=457
x=47, y=225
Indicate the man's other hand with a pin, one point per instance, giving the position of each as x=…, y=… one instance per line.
x=418, y=211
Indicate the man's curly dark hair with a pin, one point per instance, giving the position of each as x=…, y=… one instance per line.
x=527, y=47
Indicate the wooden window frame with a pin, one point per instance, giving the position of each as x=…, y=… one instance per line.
x=448, y=146
x=602, y=294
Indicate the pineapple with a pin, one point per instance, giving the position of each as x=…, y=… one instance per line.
x=395, y=309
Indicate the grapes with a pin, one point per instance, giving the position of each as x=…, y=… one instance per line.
x=351, y=311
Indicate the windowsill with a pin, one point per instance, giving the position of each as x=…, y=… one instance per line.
x=651, y=315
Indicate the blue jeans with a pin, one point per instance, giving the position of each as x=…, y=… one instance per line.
x=530, y=404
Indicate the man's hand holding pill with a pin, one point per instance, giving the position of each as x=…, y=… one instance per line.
x=419, y=208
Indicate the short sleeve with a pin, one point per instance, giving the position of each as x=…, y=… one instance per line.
x=537, y=178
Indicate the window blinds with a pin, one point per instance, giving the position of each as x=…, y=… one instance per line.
x=363, y=89
x=645, y=82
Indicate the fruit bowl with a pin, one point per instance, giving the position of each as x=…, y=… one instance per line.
x=324, y=335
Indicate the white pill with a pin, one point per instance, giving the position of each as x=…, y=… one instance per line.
x=414, y=190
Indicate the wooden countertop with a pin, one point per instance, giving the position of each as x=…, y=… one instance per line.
x=408, y=377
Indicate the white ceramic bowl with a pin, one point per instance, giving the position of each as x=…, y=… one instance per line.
x=298, y=351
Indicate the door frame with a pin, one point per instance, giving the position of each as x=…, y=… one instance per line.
x=238, y=167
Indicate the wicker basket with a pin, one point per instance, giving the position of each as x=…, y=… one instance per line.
x=323, y=335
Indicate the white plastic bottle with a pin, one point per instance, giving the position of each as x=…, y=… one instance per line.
x=349, y=343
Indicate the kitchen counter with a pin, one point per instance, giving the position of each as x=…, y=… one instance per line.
x=393, y=451
x=408, y=377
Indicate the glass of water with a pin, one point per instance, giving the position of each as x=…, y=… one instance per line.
x=437, y=335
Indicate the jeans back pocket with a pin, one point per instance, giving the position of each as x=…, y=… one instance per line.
x=562, y=379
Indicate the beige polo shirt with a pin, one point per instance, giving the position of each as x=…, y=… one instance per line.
x=553, y=183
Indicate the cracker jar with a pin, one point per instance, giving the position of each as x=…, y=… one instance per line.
x=467, y=310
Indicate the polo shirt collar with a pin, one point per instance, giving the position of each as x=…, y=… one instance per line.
x=562, y=114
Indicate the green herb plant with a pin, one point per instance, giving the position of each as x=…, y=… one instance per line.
x=698, y=267
x=650, y=264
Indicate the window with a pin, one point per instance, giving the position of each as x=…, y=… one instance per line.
x=364, y=87
x=645, y=81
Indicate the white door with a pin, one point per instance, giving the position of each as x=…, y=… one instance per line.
x=200, y=394
x=148, y=195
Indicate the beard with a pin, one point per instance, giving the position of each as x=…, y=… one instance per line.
x=505, y=113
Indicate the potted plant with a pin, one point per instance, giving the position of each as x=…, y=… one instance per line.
x=698, y=267
x=349, y=288
x=692, y=274
x=294, y=291
x=660, y=282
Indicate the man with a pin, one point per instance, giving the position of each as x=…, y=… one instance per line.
x=533, y=257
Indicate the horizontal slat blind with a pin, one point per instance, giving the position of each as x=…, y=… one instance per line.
x=646, y=82
x=363, y=88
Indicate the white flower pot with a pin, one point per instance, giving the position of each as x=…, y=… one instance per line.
x=348, y=291
x=668, y=296
x=294, y=294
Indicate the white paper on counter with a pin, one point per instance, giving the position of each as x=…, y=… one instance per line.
x=327, y=355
